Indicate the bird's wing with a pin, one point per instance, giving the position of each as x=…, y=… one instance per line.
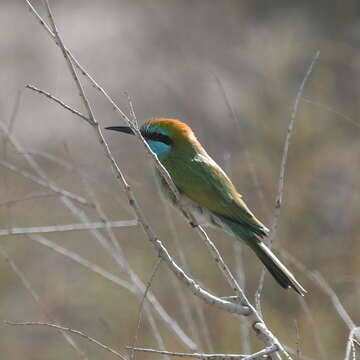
x=203, y=181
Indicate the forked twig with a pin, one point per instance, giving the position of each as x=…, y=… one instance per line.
x=60, y=102
x=69, y=330
x=168, y=320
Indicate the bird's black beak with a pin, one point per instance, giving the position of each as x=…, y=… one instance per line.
x=123, y=129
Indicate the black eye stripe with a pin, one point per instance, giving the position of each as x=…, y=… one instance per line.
x=158, y=137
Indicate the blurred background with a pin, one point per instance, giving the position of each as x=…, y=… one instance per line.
x=181, y=59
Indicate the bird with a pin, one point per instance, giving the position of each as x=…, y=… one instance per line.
x=207, y=193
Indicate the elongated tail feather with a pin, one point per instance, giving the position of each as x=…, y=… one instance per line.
x=276, y=268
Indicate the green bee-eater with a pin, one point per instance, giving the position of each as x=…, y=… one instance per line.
x=207, y=191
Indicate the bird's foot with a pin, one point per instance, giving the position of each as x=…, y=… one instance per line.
x=193, y=224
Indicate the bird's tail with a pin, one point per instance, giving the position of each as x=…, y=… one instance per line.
x=276, y=268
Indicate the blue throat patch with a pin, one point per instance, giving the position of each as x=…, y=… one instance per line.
x=159, y=148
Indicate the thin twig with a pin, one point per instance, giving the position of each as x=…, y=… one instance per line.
x=60, y=102
x=23, y=279
x=68, y=227
x=331, y=110
x=83, y=262
x=168, y=320
x=350, y=343
x=184, y=303
x=319, y=280
x=313, y=327
x=72, y=331
x=77, y=169
x=258, y=355
x=257, y=323
x=238, y=246
x=136, y=288
x=27, y=285
x=12, y=120
x=148, y=285
x=46, y=184
x=91, y=116
x=297, y=341
x=28, y=197
x=121, y=259
x=279, y=195
x=240, y=271
x=292, y=351
x=267, y=335
x=322, y=283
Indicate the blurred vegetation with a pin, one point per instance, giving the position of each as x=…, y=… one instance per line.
x=167, y=55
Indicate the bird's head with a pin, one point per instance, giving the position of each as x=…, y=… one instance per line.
x=163, y=135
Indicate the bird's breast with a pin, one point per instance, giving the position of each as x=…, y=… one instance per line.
x=200, y=215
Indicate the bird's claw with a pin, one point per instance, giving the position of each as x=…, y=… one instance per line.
x=193, y=224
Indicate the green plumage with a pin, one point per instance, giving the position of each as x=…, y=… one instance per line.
x=207, y=191
x=200, y=179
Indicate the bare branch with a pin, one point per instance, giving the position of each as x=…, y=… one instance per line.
x=46, y=184
x=258, y=355
x=231, y=307
x=331, y=110
x=238, y=246
x=355, y=332
x=76, y=168
x=69, y=227
x=72, y=70
x=58, y=101
x=27, y=197
x=168, y=320
x=313, y=327
x=27, y=285
x=72, y=331
x=136, y=288
x=293, y=352
x=152, y=276
x=257, y=322
x=279, y=195
x=297, y=341
x=121, y=258
x=13, y=118
x=319, y=280
x=83, y=262
x=184, y=303
x=322, y=283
